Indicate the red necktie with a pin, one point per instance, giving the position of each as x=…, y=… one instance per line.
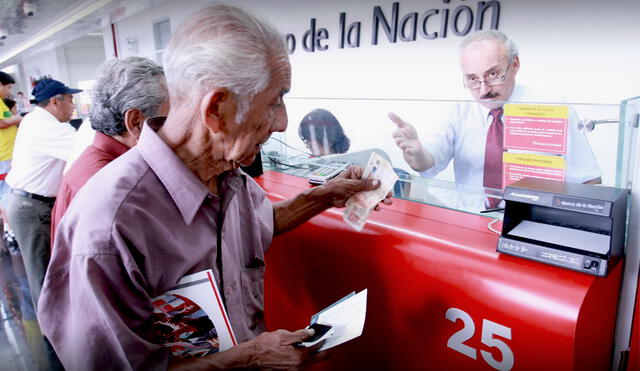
x=493, y=152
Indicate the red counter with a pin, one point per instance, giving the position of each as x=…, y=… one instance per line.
x=634, y=353
x=440, y=296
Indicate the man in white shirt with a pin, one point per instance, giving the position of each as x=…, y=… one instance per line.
x=43, y=143
x=489, y=62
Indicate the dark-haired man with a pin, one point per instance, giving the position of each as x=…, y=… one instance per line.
x=8, y=130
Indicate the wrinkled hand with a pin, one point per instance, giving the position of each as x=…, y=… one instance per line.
x=348, y=183
x=274, y=350
x=405, y=136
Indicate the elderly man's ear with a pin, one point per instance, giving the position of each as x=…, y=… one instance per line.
x=515, y=64
x=133, y=120
x=215, y=107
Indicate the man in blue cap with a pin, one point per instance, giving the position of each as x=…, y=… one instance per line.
x=43, y=143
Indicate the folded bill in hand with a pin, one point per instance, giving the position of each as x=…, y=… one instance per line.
x=359, y=206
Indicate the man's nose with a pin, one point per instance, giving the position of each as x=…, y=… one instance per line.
x=280, y=124
x=484, y=88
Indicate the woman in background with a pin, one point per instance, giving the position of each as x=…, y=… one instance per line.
x=322, y=133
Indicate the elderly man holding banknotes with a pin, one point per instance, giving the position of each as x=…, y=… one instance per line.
x=178, y=204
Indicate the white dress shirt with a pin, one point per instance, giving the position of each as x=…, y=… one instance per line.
x=43, y=145
x=462, y=136
x=84, y=138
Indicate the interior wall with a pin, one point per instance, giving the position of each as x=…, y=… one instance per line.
x=69, y=63
x=584, y=50
x=82, y=57
x=140, y=27
x=581, y=50
x=37, y=64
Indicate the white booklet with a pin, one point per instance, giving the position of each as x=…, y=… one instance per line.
x=191, y=318
x=346, y=318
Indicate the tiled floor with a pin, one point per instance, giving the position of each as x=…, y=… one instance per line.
x=21, y=344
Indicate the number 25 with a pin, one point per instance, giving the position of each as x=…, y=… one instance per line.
x=489, y=329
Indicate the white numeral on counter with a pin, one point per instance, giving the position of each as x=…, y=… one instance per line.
x=456, y=341
x=490, y=330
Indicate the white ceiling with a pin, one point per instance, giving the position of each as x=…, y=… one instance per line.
x=22, y=30
x=21, y=27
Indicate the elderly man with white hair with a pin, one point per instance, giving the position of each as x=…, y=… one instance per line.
x=127, y=92
x=177, y=203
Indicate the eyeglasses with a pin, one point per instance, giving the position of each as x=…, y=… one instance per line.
x=472, y=82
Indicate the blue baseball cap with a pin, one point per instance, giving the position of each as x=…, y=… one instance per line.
x=48, y=88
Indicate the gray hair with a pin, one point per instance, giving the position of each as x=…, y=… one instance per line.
x=222, y=46
x=44, y=103
x=512, y=48
x=124, y=84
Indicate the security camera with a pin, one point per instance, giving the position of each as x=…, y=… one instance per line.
x=30, y=9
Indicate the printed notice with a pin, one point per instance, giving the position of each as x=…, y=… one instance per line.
x=520, y=165
x=540, y=128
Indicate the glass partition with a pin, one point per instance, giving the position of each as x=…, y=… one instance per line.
x=574, y=142
x=627, y=141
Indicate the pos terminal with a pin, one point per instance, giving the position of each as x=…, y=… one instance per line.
x=575, y=226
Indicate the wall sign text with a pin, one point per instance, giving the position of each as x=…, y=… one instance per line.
x=393, y=24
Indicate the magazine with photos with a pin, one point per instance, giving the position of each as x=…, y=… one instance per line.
x=191, y=319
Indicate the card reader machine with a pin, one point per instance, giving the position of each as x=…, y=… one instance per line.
x=575, y=226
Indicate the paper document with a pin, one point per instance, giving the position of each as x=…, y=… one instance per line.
x=358, y=206
x=346, y=318
x=191, y=319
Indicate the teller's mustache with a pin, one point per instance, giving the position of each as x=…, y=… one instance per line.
x=489, y=95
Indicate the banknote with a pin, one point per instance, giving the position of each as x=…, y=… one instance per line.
x=358, y=207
